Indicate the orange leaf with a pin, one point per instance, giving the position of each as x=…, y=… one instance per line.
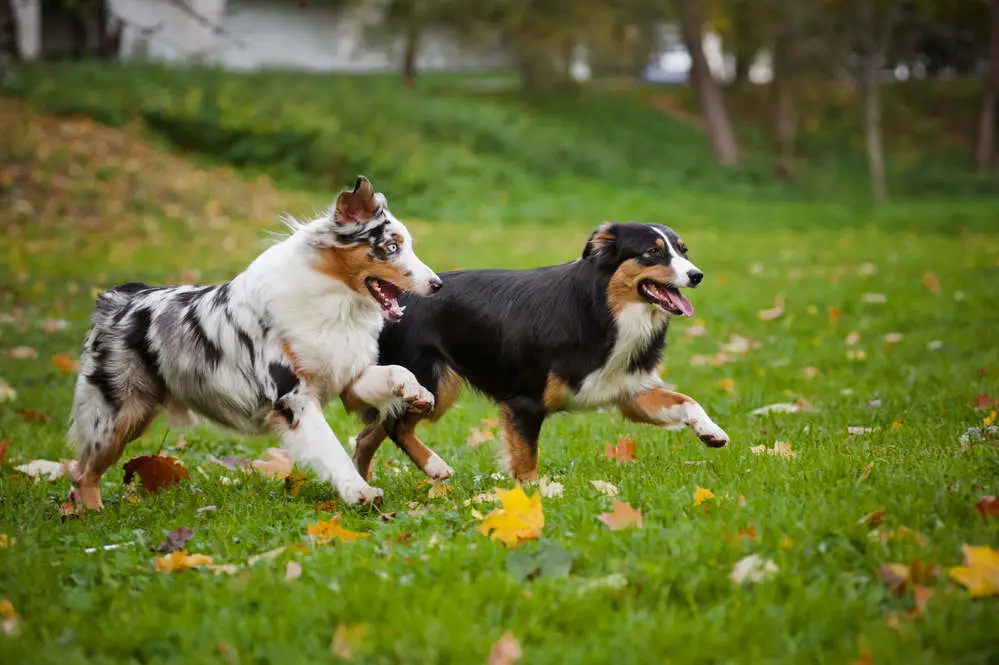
x=325, y=532
x=3, y=450
x=749, y=533
x=895, y=576
x=873, y=518
x=155, y=471
x=478, y=436
x=624, y=516
x=65, y=363
x=980, y=574
x=623, y=452
x=181, y=560
x=506, y=650
x=834, y=313
x=489, y=423
x=921, y=595
x=930, y=282
x=987, y=506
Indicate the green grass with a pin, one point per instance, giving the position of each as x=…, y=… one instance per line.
x=444, y=593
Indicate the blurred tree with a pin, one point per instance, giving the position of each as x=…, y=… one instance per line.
x=709, y=93
x=987, y=124
x=10, y=42
x=411, y=19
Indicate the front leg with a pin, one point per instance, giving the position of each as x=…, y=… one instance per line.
x=383, y=386
x=670, y=410
x=298, y=419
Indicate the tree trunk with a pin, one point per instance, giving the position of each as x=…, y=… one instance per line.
x=709, y=94
x=871, y=93
x=77, y=33
x=785, y=112
x=987, y=124
x=10, y=38
x=411, y=49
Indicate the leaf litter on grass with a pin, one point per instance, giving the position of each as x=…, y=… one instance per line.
x=623, y=516
x=518, y=519
x=505, y=651
x=980, y=572
x=621, y=452
x=175, y=540
x=155, y=471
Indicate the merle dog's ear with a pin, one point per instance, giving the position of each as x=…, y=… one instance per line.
x=602, y=242
x=356, y=206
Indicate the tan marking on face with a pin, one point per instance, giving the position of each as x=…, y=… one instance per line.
x=660, y=243
x=556, y=394
x=623, y=287
x=521, y=461
x=398, y=239
x=645, y=407
x=352, y=265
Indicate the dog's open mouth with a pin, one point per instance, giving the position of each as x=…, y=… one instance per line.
x=667, y=298
x=387, y=295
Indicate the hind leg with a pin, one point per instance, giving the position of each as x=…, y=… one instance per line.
x=368, y=442
x=102, y=434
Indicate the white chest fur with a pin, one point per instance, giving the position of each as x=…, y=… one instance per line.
x=637, y=325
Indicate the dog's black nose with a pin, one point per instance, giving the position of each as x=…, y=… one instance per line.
x=695, y=277
x=435, y=285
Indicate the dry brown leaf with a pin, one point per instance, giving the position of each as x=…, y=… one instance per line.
x=753, y=569
x=605, y=488
x=23, y=353
x=293, y=570
x=622, y=517
x=478, y=436
x=175, y=540
x=506, y=650
x=293, y=483
x=33, y=416
x=3, y=450
x=873, y=518
x=155, y=471
x=347, y=640
x=930, y=282
x=987, y=506
x=43, y=469
x=895, y=576
x=749, y=533
x=867, y=471
x=274, y=463
x=65, y=363
x=834, y=313
x=773, y=313
x=984, y=402
x=622, y=452
x=327, y=506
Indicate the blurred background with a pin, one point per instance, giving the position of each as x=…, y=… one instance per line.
x=539, y=109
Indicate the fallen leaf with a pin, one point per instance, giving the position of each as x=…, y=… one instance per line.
x=785, y=542
x=975, y=435
x=772, y=313
x=896, y=424
x=518, y=519
x=864, y=656
x=293, y=570
x=65, y=363
x=550, y=489
x=347, y=640
x=698, y=462
x=6, y=541
x=701, y=495
x=898, y=533
x=988, y=506
x=7, y=394
x=322, y=533
x=175, y=540
x=3, y=450
x=867, y=471
x=155, y=471
x=874, y=298
x=506, y=650
x=327, y=506
x=811, y=372
x=980, y=572
x=728, y=385
x=23, y=353
x=894, y=337
x=749, y=533
x=10, y=622
x=895, y=576
x=387, y=517
x=622, y=452
x=70, y=510
x=780, y=449
x=605, y=488
x=133, y=499
x=614, y=581
x=930, y=282
x=274, y=463
x=834, y=313
x=54, y=325
x=873, y=518
x=478, y=436
x=438, y=489
x=852, y=338
x=269, y=555
x=33, y=416
x=181, y=560
x=293, y=483
x=753, y=569
x=921, y=595
x=43, y=469
x=861, y=430
x=622, y=517
x=205, y=509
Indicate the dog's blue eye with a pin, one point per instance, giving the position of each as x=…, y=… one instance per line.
x=392, y=248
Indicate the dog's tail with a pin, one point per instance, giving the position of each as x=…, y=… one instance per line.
x=110, y=302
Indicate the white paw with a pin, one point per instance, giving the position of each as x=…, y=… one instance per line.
x=437, y=469
x=712, y=435
x=417, y=399
x=360, y=494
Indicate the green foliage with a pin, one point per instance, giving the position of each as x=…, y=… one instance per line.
x=466, y=148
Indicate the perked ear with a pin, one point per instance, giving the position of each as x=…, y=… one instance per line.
x=357, y=206
x=601, y=242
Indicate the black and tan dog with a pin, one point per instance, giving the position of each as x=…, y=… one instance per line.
x=576, y=336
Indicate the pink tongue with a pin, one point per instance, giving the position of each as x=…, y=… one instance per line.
x=676, y=298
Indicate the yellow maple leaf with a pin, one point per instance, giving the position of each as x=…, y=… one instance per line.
x=701, y=495
x=980, y=574
x=325, y=532
x=438, y=490
x=181, y=560
x=520, y=518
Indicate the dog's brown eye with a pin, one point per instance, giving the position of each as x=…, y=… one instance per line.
x=655, y=251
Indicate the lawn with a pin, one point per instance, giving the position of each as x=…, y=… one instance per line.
x=888, y=324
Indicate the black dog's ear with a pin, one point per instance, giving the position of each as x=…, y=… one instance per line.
x=602, y=241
